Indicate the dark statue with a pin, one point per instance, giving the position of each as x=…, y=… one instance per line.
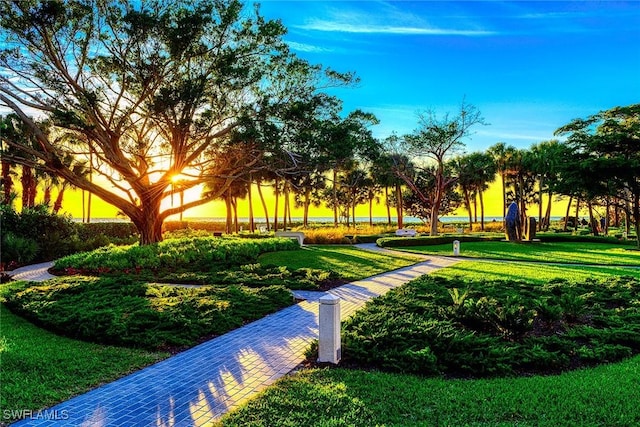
x=512, y=223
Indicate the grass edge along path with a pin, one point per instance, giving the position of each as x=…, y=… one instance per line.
x=605, y=395
x=40, y=368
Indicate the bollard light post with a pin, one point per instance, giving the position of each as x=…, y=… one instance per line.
x=456, y=247
x=329, y=348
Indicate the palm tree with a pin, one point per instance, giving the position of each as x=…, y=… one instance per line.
x=501, y=154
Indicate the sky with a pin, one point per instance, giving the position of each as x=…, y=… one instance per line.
x=529, y=67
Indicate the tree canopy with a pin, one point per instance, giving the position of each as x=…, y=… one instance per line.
x=146, y=91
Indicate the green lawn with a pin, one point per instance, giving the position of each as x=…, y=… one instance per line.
x=532, y=272
x=604, y=396
x=348, y=262
x=563, y=252
x=40, y=369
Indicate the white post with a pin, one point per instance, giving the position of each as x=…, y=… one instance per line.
x=456, y=247
x=329, y=348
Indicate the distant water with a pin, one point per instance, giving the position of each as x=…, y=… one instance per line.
x=365, y=220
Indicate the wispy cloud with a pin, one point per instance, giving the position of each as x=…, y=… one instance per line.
x=342, y=27
x=304, y=47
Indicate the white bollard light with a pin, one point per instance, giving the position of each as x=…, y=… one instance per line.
x=329, y=348
x=456, y=247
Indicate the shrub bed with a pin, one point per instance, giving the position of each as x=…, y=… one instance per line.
x=482, y=328
x=192, y=253
x=126, y=312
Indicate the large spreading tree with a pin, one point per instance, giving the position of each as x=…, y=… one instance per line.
x=145, y=90
x=437, y=139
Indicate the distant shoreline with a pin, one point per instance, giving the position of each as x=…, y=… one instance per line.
x=359, y=220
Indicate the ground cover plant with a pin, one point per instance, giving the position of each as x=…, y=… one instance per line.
x=563, y=252
x=463, y=327
x=349, y=262
x=40, y=368
x=124, y=311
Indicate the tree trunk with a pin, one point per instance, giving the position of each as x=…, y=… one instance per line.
x=285, y=193
x=467, y=202
x=475, y=209
x=370, y=212
x=616, y=214
x=540, y=185
x=386, y=198
x=252, y=225
x=577, y=212
x=335, y=197
x=275, y=214
x=547, y=215
x=47, y=195
x=264, y=203
x=305, y=207
x=58, y=203
x=566, y=215
x=627, y=220
x=592, y=221
x=481, y=211
x=25, y=180
x=399, y=207
x=437, y=200
x=7, y=182
x=148, y=223
x=234, y=205
x=504, y=200
x=228, y=223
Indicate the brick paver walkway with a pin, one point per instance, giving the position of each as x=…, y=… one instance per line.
x=197, y=386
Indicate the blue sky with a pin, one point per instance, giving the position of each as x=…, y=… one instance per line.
x=530, y=67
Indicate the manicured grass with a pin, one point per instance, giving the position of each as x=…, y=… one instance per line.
x=603, y=396
x=348, y=262
x=40, y=368
x=562, y=252
x=532, y=272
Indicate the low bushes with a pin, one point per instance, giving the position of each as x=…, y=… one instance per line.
x=481, y=328
x=127, y=312
x=193, y=253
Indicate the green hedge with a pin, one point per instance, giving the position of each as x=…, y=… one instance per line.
x=190, y=253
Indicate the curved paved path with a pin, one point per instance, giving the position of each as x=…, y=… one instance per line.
x=197, y=386
x=34, y=273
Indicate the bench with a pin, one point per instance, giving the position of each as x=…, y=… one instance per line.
x=406, y=232
x=298, y=235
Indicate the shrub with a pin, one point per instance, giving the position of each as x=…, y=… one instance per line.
x=54, y=235
x=399, y=242
x=434, y=325
x=16, y=249
x=126, y=312
x=189, y=253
